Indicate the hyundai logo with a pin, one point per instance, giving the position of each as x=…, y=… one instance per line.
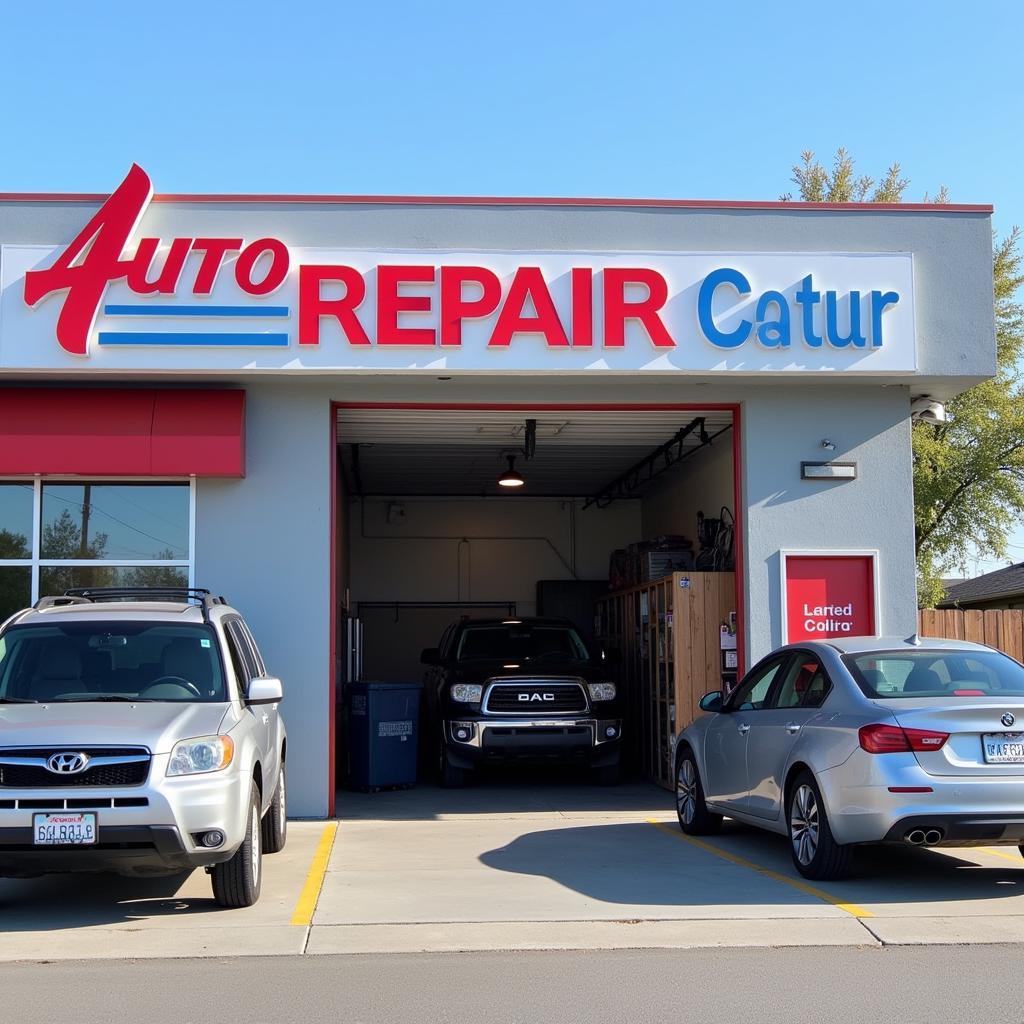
x=67, y=763
x=536, y=696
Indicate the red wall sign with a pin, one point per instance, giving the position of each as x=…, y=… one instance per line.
x=829, y=596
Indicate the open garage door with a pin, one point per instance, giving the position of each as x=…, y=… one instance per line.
x=609, y=503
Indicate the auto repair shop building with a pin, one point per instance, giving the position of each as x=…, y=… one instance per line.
x=306, y=403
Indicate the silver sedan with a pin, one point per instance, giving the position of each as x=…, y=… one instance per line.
x=840, y=743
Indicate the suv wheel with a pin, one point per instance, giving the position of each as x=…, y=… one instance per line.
x=236, y=882
x=816, y=854
x=275, y=821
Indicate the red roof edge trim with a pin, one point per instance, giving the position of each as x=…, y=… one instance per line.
x=396, y=200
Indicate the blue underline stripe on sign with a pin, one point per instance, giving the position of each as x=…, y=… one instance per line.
x=142, y=310
x=169, y=338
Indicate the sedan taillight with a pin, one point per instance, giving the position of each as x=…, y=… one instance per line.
x=892, y=739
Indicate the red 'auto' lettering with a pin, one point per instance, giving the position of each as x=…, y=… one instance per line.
x=276, y=272
x=84, y=270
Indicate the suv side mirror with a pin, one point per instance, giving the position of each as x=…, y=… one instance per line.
x=265, y=690
x=430, y=656
x=712, y=702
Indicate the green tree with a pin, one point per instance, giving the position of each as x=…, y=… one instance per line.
x=63, y=539
x=969, y=471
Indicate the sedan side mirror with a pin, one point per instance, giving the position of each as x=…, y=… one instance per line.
x=712, y=702
x=265, y=690
x=430, y=656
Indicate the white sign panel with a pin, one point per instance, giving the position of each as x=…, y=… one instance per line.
x=115, y=299
x=583, y=312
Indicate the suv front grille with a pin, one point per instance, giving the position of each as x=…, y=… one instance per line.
x=20, y=768
x=535, y=698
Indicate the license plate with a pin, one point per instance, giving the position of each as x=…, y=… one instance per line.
x=1003, y=747
x=64, y=829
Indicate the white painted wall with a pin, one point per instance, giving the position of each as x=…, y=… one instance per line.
x=467, y=551
x=703, y=483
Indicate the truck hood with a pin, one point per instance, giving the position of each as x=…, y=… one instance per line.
x=479, y=671
x=158, y=725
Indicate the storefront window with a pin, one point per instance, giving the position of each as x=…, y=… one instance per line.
x=15, y=521
x=115, y=521
x=15, y=589
x=55, y=535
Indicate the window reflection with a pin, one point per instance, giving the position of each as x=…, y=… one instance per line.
x=115, y=521
x=57, y=579
x=16, y=520
x=15, y=589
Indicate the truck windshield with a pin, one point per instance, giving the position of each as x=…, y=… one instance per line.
x=894, y=675
x=519, y=642
x=110, y=661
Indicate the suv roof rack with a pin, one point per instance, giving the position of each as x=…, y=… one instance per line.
x=92, y=595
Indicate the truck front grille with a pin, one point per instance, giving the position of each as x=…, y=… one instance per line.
x=535, y=698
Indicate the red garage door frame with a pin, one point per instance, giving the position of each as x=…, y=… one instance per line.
x=566, y=407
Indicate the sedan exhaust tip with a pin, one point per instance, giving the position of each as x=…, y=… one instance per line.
x=915, y=837
x=932, y=837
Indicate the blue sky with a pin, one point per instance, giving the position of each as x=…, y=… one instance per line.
x=525, y=98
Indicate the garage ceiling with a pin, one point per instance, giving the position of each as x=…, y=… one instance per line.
x=404, y=452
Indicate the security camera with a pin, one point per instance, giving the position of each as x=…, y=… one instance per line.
x=924, y=410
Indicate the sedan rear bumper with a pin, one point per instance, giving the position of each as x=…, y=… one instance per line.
x=962, y=829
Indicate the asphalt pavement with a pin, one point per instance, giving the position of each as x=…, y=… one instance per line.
x=901, y=985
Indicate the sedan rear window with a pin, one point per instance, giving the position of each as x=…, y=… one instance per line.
x=891, y=675
x=80, y=662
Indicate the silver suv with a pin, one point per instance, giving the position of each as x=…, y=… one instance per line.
x=140, y=734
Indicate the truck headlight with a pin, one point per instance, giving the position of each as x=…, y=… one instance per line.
x=467, y=693
x=204, y=754
x=601, y=691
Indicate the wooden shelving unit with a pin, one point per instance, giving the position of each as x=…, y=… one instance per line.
x=667, y=632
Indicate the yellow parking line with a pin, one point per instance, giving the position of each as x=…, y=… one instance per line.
x=1015, y=857
x=810, y=890
x=315, y=879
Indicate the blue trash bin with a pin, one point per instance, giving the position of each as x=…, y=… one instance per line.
x=383, y=724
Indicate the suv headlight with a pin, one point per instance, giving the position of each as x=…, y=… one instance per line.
x=467, y=693
x=601, y=691
x=204, y=754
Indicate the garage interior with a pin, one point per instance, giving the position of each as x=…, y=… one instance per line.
x=604, y=530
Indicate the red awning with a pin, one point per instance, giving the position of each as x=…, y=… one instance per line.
x=122, y=432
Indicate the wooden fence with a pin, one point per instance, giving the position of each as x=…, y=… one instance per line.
x=999, y=628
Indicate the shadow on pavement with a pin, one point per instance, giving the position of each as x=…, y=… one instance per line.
x=78, y=901
x=522, y=791
x=637, y=863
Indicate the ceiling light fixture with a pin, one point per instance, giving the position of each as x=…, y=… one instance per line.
x=510, y=478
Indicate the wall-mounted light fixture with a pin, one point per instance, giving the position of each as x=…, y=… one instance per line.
x=828, y=470
x=829, y=446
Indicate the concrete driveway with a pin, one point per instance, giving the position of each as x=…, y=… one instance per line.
x=563, y=866
x=511, y=865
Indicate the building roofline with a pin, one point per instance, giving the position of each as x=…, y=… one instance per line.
x=544, y=201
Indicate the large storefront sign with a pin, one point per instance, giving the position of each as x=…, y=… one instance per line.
x=118, y=297
x=829, y=595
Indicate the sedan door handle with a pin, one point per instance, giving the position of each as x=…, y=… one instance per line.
x=792, y=728
x=743, y=729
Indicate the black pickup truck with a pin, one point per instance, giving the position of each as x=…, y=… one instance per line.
x=507, y=690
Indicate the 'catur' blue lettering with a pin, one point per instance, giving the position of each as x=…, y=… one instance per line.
x=812, y=314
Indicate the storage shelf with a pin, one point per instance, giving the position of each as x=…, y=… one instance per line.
x=667, y=632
